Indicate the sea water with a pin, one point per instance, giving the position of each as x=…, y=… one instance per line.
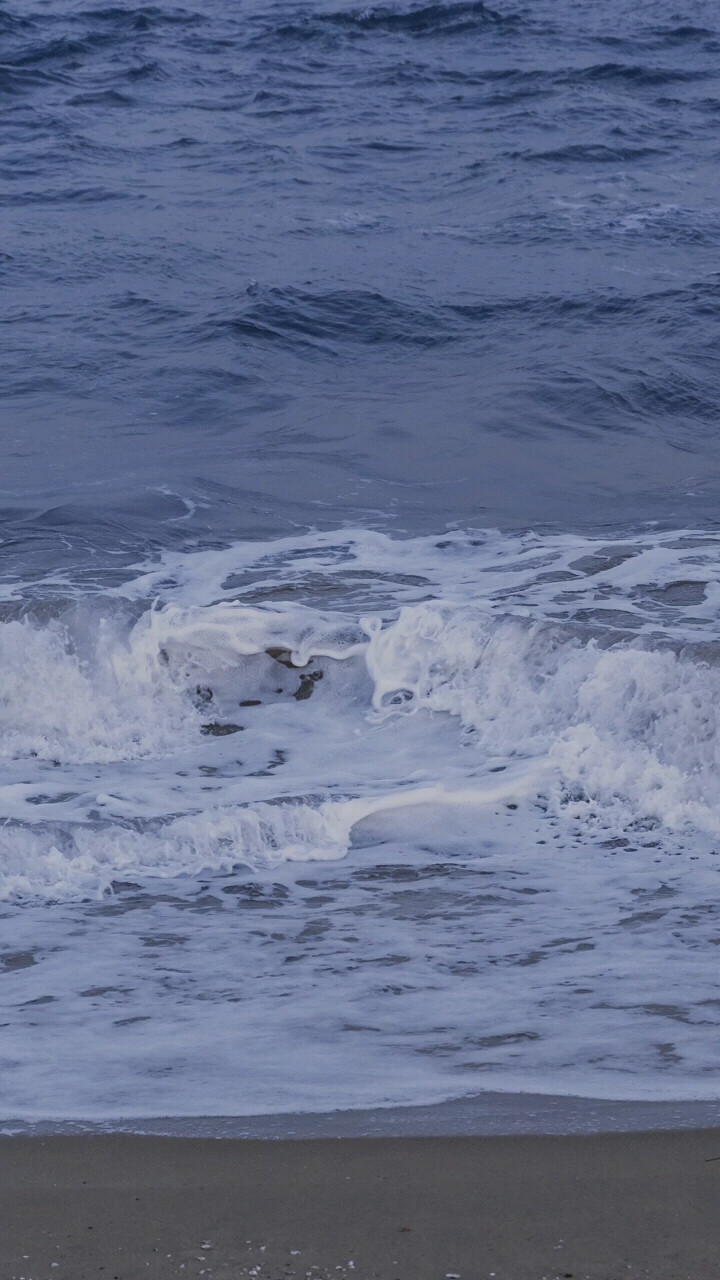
x=359, y=556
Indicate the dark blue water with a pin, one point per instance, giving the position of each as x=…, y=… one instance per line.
x=359, y=553
x=402, y=264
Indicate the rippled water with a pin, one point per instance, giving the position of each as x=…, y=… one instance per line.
x=358, y=554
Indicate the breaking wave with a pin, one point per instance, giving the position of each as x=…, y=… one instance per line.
x=146, y=734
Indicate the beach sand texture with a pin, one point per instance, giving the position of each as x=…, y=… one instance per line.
x=598, y=1207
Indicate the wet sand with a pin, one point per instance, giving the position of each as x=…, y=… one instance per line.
x=597, y=1207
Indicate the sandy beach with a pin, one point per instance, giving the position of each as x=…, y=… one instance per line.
x=597, y=1207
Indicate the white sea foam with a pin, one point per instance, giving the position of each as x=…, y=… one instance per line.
x=110, y=704
x=89, y=858
x=659, y=584
x=624, y=719
x=523, y=730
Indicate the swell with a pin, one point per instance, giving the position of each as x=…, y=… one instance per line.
x=330, y=321
x=463, y=15
x=590, y=153
x=293, y=317
x=59, y=50
x=632, y=75
x=423, y=21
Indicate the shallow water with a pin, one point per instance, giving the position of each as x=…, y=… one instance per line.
x=358, y=556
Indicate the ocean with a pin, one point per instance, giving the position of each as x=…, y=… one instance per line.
x=359, y=555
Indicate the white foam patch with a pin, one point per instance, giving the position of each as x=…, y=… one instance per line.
x=666, y=583
x=636, y=729
x=111, y=704
x=88, y=859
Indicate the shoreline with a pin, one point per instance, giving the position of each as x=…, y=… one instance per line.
x=592, y=1207
x=487, y=1114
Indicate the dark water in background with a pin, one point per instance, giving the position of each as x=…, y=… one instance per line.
x=399, y=264
x=292, y=818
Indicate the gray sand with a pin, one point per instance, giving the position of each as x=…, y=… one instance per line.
x=600, y=1207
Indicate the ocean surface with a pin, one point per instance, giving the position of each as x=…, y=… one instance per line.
x=359, y=554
